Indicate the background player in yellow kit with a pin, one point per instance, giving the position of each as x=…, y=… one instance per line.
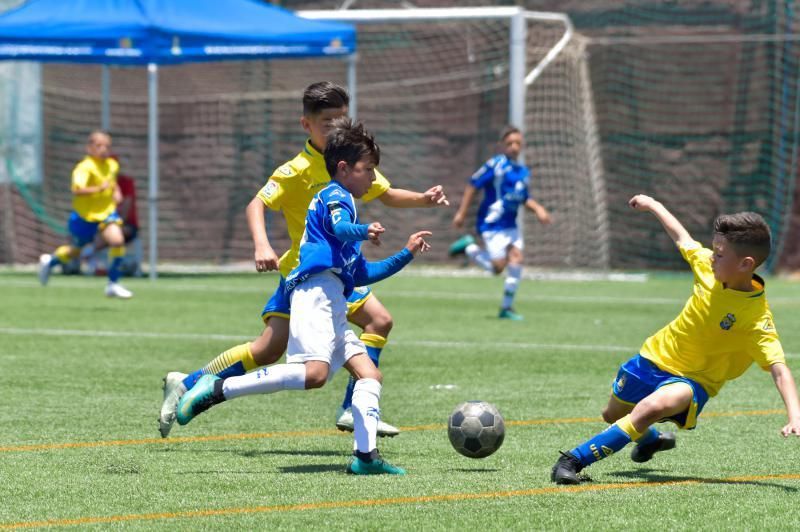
x=95, y=195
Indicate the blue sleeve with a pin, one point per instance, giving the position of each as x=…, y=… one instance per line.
x=371, y=272
x=343, y=226
x=483, y=175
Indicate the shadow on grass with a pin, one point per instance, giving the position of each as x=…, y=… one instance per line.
x=251, y=453
x=315, y=468
x=654, y=475
x=475, y=470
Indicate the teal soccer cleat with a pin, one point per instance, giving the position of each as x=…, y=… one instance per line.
x=458, y=247
x=204, y=394
x=509, y=314
x=377, y=466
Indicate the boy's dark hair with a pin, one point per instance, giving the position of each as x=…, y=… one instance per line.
x=348, y=141
x=748, y=234
x=508, y=130
x=324, y=95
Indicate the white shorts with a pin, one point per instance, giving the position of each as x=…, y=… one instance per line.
x=497, y=242
x=318, y=328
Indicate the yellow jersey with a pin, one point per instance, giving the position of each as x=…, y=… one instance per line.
x=719, y=332
x=290, y=189
x=92, y=172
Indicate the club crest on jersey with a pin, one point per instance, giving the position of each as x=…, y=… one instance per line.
x=727, y=322
x=621, y=383
x=269, y=189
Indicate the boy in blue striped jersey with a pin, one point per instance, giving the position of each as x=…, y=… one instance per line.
x=331, y=265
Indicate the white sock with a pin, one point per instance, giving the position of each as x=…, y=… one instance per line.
x=479, y=256
x=366, y=414
x=513, y=275
x=269, y=379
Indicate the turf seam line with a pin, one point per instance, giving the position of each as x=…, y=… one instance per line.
x=448, y=497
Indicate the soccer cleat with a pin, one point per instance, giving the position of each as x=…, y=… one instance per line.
x=509, y=314
x=566, y=470
x=458, y=247
x=378, y=466
x=643, y=453
x=117, y=290
x=202, y=396
x=44, y=268
x=173, y=391
x=345, y=422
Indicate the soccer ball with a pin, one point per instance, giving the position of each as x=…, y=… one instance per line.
x=476, y=429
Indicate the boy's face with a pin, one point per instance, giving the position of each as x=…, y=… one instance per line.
x=99, y=146
x=318, y=125
x=512, y=145
x=729, y=267
x=357, y=179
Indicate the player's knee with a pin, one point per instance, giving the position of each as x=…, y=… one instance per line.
x=609, y=415
x=380, y=323
x=315, y=379
x=373, y=373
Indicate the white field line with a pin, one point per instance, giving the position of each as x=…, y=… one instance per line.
x=521, y=346
x=267, y=288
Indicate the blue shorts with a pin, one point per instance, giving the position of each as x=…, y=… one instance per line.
x=279, y=304
x=638, y=378
x=83, y=232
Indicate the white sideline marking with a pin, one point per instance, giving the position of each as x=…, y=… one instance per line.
x=234, y=337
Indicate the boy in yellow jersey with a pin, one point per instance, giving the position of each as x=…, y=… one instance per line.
x=725, y=326
x=290, y=190
x=95, y=195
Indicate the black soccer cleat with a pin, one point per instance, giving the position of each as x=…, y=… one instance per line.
x=566, y=470
x=643, y=453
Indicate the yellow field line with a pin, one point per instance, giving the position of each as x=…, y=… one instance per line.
x=327, y=505
x=313, y=433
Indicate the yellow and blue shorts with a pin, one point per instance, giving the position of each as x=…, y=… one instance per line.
x=638, y=377
x=83, y=231
x=279, y=304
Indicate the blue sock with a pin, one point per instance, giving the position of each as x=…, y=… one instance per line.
x=603, y=445
x=374, y=353
x=235, y=370
x=114, y=272
x=54, y=260
x=651, y=436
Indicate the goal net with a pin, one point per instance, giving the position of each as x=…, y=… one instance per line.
x=701, y=112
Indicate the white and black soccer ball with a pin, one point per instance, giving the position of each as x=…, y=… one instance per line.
x=476, y=429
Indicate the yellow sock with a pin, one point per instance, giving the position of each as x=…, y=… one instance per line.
x=627, y=427
x=373, y=340
x=237, y=355
x=64, y=253
x=118, y=251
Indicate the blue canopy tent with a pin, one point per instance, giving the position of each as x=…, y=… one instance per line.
x=163, y=32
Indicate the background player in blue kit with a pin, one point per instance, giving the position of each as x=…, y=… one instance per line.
x=331, y=266
x=505, y=185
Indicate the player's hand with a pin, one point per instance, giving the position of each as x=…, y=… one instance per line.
x=458, y=219
x=374, y=232
x=416, y=242
x=643, y=203
x=793, y=427
x=266, y=259
x=436, y=196
x=544, y=216
x=105, y=186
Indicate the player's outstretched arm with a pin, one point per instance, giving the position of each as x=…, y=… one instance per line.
x=466, y=201
x=265, y=257
x=672, y=226
x=788, y=390
x=541, y=213
x=371, y=272
x=398, y=197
